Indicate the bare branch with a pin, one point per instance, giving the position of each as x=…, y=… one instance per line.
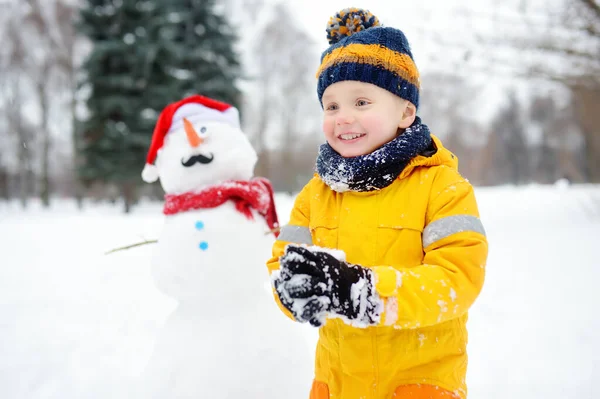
x=592, y=6
x=137, y=244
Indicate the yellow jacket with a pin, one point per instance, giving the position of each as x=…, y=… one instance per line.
x=423, y=238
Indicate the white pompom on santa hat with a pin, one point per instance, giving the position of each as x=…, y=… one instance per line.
x=194, y=108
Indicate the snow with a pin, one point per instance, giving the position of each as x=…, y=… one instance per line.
x=452, y=294
x=336, y=253
x=76, y=323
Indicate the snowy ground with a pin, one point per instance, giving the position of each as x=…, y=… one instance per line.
x=75, y=323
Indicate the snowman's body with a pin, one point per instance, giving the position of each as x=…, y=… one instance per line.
x=211, y=247
x=226, y=338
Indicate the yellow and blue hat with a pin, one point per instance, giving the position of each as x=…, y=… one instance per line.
x=363, y=50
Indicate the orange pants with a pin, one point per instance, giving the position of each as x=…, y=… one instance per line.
x=321, y=391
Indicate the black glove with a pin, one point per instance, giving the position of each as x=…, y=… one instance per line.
x=313, y=283
x=312, y=310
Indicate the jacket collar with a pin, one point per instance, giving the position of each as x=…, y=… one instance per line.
x=442, y=156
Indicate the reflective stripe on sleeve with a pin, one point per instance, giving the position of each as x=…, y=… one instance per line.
x=295, y=234
x=447, y=226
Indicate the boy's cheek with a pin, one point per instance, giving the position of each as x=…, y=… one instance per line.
x=373, y=123
x=328, y=128
x=380, y=128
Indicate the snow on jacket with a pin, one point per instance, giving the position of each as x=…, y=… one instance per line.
x=423, y=238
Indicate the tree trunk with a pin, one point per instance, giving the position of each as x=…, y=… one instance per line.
x=290, y=172
x=4, y=185
x=24, y=168
x=22, y=143
x=262, y=165
x=128, y=195
x=587, y=98
x=45, y=170
x=76, y=157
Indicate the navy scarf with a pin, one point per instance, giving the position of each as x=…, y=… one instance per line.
x=376, y=170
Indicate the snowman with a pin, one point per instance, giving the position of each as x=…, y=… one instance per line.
x=226, y=338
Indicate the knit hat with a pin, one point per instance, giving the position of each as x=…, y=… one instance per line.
x=193, y=108
x=363, y=50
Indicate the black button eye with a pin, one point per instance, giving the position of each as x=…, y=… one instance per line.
x=203, y=129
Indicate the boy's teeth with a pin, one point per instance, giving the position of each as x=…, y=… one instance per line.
x=350, y=136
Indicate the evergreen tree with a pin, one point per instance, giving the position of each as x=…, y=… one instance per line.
x=202, y=50
x=129, y=83
x=511, y=156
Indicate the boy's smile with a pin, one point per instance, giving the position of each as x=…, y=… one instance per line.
x=351, y=137
x=360, y=117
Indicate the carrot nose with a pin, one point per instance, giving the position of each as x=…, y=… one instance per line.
x=191, y=133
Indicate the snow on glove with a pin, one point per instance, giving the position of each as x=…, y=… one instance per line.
x=312, y=310
x=314, y=283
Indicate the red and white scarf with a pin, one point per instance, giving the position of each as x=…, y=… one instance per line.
x=246, y=194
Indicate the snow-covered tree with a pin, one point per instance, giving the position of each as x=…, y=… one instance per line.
x=201, y=42
x=575, y=40
x=508, y=146
x=281, y=105
x=129, y=82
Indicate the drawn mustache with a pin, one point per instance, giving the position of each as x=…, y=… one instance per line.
x=194, y=159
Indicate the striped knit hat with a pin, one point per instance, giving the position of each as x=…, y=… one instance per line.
x=363, y=50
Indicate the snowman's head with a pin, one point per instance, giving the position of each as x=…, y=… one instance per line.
x=203, y=146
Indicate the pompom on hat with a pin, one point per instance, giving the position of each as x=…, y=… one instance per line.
x=363, y=50
x=193, y=108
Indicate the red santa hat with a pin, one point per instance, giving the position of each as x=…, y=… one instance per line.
x=194, y=108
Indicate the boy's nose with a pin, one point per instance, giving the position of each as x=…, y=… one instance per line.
x=344, y=118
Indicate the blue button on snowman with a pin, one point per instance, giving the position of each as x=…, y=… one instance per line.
x=203, y=245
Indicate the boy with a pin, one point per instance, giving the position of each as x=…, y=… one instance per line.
x=384, y=250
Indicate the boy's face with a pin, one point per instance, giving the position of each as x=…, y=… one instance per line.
x=360, y=117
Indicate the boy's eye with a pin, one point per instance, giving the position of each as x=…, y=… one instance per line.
x=331, y=107
x=361, y=103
